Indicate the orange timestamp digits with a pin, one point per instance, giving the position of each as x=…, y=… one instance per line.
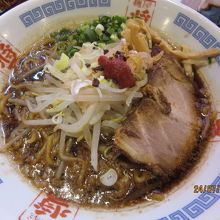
x=206, y=188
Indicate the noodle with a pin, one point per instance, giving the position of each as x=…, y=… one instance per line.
x=62, y=150
x=3, y=103
x=13, y=140
x=52, y=142
x=41, y=152
x=34, y=137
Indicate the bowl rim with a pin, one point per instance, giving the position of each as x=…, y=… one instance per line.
x=27, y=5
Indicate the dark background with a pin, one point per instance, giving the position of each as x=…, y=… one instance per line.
x=5, y=5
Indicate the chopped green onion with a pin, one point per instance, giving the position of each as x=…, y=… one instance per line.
x=105, y=30
x=114, y=37
x=101, y=45
x=99, y=29
x=62, y=63
x=123, y=26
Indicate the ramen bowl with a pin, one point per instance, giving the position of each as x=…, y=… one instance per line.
x=29, y=22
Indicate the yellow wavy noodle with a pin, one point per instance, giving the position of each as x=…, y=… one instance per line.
x=52, y=141
x=41, y=152
x=82, y=174
x=29, y=64
x=45, y=152
x=141, y=177
x=122, y=186
x=48, y=44
x=34, y=137
x=3, y=103
x=66, y=157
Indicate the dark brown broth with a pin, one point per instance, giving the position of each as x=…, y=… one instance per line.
x=78, y=182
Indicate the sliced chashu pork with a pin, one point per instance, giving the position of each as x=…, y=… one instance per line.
x=164, y=127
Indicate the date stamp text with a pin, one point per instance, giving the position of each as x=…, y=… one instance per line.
x=206, y=188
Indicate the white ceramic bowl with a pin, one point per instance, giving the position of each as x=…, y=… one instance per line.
x=23, y=25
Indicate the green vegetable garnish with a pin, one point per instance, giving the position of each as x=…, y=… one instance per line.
x=103, y=30
x=62, y=63
x=114, y=37
x=90, y=35
x=101, y=45
x=62, y=35
x=100, y=30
